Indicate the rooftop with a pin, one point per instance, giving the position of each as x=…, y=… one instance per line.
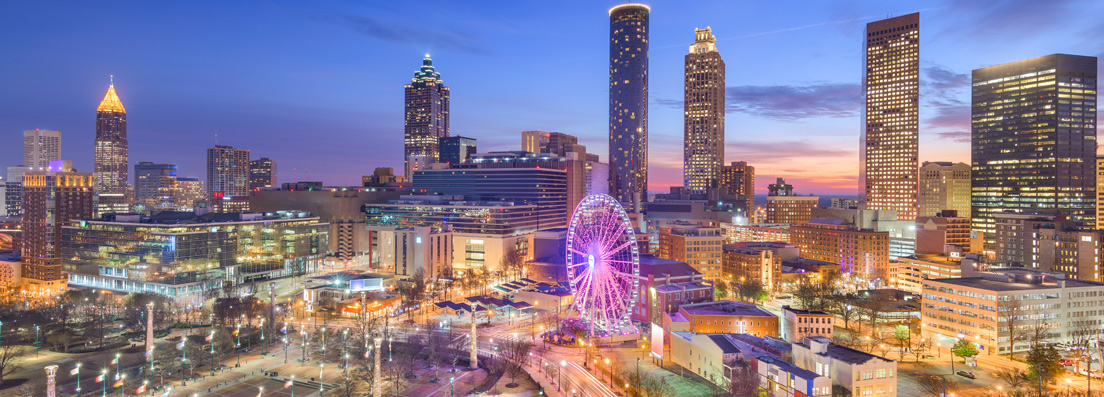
x=842, y=353
x=804, y=312
x=650, y=265
x=681, y=287
x=1001, y=286
x=725, y=308
x=189, y=217
x=724, y=344
x=792, y=369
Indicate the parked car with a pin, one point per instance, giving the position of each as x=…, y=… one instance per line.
x=966, y=374
x=1065, y=361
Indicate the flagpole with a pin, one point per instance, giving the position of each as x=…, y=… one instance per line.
x=104, y=383
x=78, y=378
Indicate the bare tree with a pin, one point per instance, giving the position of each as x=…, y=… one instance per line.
x=515, y=353
x=348, y=386
x=935, y=385
x=655, y=386
x=1014, y=378
x=920, y=347
x=512, y=261
x=744, y=381
x=10, y=357
x=1010, y=315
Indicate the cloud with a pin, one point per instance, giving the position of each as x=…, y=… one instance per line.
x=669, y=103
x=792, y=103
x=942, y=79
x=950, y=114
x=955, y=136
x=778, y=151
x=450, y=38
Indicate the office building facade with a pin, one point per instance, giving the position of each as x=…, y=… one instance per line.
x=262, y=174
x=110, y=155
x=704, y=114
x=628, y=104
x=1039, y=155
x=40, y=147
x=890, y=134
x=155, y=185
x=861, y=253
x=189, y=192
x=944, y=186
x=456, y=149
x=183, y=254
x=790, y=210
x=426, y=117
x=544, y=187
x=227, y=172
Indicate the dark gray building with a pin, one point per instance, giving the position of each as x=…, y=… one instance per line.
x=1033, y=140
x=154, y=183
x=456, y=149
x=628, y=104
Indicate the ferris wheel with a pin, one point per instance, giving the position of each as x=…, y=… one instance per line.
x=602, y=263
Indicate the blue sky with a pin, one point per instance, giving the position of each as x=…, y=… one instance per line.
x=317, y=86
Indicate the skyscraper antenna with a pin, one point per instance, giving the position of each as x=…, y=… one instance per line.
x=111, y=78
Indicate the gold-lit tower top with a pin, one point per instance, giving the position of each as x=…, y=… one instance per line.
x=111, y=102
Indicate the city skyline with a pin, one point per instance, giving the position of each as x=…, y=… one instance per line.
x=786, y=119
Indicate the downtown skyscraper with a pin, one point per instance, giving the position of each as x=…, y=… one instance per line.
x=704, y=116
x=426, y=117
x=628, y=105
x=889, y=158
x=110, y=156
x=227, y=172
x=40, y=147
x=1033, y=140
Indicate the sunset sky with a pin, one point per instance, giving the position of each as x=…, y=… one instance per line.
x=317, y=86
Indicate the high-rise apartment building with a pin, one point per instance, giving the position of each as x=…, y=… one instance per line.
x=227, y=171
x=40, y=147
x=628, y=105
x=262, y=174
x=739, y=178
x=13, y=191
x=1041, y=153
x=426, y=118
x=456, y=149
x=890, y=134
x=155, y=185
x=110, y=156
x=50, y=200
x=704, y=114
x=944, y=186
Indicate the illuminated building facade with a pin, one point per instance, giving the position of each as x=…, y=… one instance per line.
x=704, y=115
x=1099, y=192
x=863, y=253
x=890, y=134
x=545, y=187
x=262, y=174
x=426, y=119
x=227, y=171
x=189, y=192
x=51, y=199
x=739, y=179
x=40, y=147
x=1040, y=153
x=790, y=210
x=697, y=245
x=628, y=105
x=944, y=186
x=110, y=156
x=155, y=185
x=182, y=254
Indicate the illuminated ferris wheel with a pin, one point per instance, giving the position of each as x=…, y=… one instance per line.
x=602, y=263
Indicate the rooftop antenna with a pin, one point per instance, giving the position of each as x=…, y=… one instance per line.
x=216, y=139
x=112, y=79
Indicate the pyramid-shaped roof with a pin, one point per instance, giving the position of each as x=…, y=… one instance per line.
x=111, y=102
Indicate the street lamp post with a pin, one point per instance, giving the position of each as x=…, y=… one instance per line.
x=238, y=332
x=212, y=353
x=321, y=368
x=104, y=375
x=285, y=348
x=183, y=360
x=303, y=347
x=36, y=341
x=78, y=378
x=262, y=338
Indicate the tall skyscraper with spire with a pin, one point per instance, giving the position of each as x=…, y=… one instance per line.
x=628, y=104
x=110, y=157
x=427, y=115
x=889, y=158
x=704, y=117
